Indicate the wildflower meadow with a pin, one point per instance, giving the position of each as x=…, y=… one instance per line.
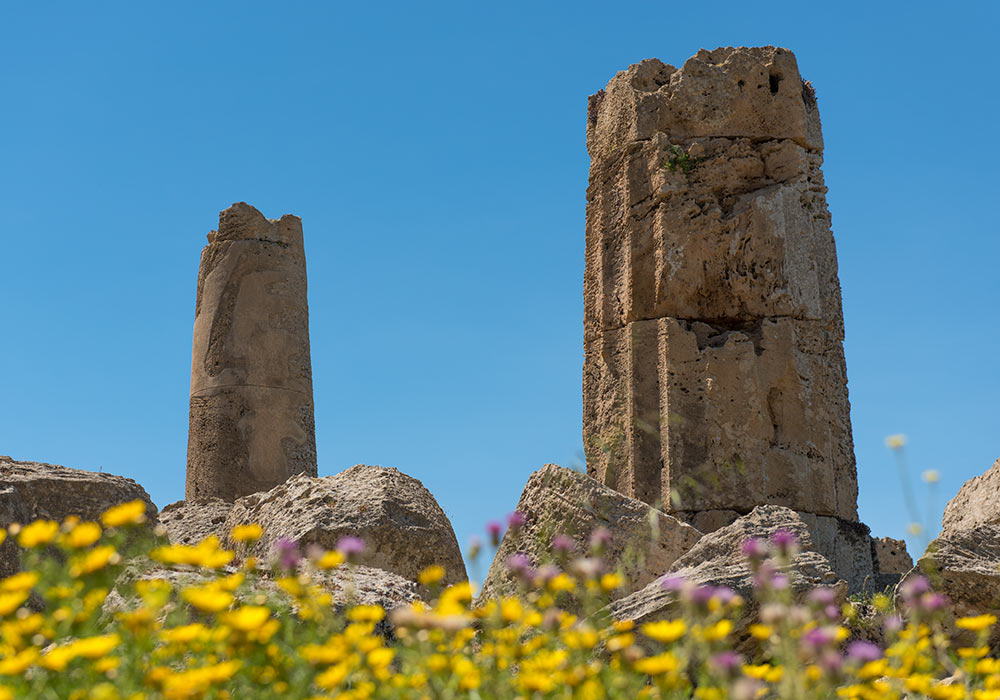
x=226, y=626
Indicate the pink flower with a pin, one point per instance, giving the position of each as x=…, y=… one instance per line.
x=493, y=529
x=864, y=652
x=351, y=547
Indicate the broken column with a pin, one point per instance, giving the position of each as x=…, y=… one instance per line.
x=251, y=421
x=714, y=376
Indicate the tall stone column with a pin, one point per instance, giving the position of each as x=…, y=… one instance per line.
x=714, y=376
x=251, y=422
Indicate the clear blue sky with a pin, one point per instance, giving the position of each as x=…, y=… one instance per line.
x=435, y=153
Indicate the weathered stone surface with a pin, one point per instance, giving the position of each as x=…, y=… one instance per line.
x=847, y=546
x=965, y=566
x=717, y=560
x=891, y=556
x=189, y=522
x=700, y=417
x=714, y=373
x=755, y=93
x=251, y=420
x=976, y=503
x=556, y=500
x=33, y=491
x=403, y=527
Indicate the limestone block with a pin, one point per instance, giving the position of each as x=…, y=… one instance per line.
x=847, y=546
x=36, y=491
x=976, y=503
x=744, y=235
x=251, y=419
x=189, y=522
x=965, y=566
x=560, y=501
x=891, y=556
x=749, y=92
x=700, y=417
x=717, y=560
x=403, y=526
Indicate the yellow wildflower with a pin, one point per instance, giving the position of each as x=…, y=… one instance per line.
x=331, y=560
x=207, y=598
x=561, y=583
x=40, y=532
x=717, y=632
x=365, y=613
x=761, y=632
x=511, y=610
x=17, y=664
x=333, y=676
x=656, y=665
x=620, y=641
x=247, y=618
x=973, y=652
x=95, y=647
x=184, y=634
x=11, y=601
x=976, y=623
x=610, y=582
x=82, y=535
x=94, y=560
x=380, y=658
x=23, y=581
x=431, y=575
x=665, y=631
x=247, y=533
x=131, y=513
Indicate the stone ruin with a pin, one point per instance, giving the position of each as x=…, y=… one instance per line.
x=714, y=384
x=251, y=420
x=714, y=377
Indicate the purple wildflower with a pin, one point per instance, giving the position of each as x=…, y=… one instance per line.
x=700, y=595
x=818, y=637
x=672, y=583
x=288, y=553
x=932, y=601
x=724, y=594
x=786, y=542
x=831, y=661
x=864, y=652
x=913, y=588
x=547, y=572
x=493, y=529
x=727, y=663
x=518, y=562
x=563, y=544
x=779, y=582
x=599, y=539
x=351, y=547
x=892, y=623
x=754, y=548
x=822, y=596
x=516, y=520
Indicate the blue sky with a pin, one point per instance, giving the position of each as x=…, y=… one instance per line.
x=436, y=155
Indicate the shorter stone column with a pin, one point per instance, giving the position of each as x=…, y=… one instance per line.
x=251, y=420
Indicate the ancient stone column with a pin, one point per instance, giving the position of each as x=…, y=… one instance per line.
x=714, y=376
x=251, y=422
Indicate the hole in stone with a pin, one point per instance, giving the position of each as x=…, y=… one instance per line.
x=774, y=80
x=740, y=85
